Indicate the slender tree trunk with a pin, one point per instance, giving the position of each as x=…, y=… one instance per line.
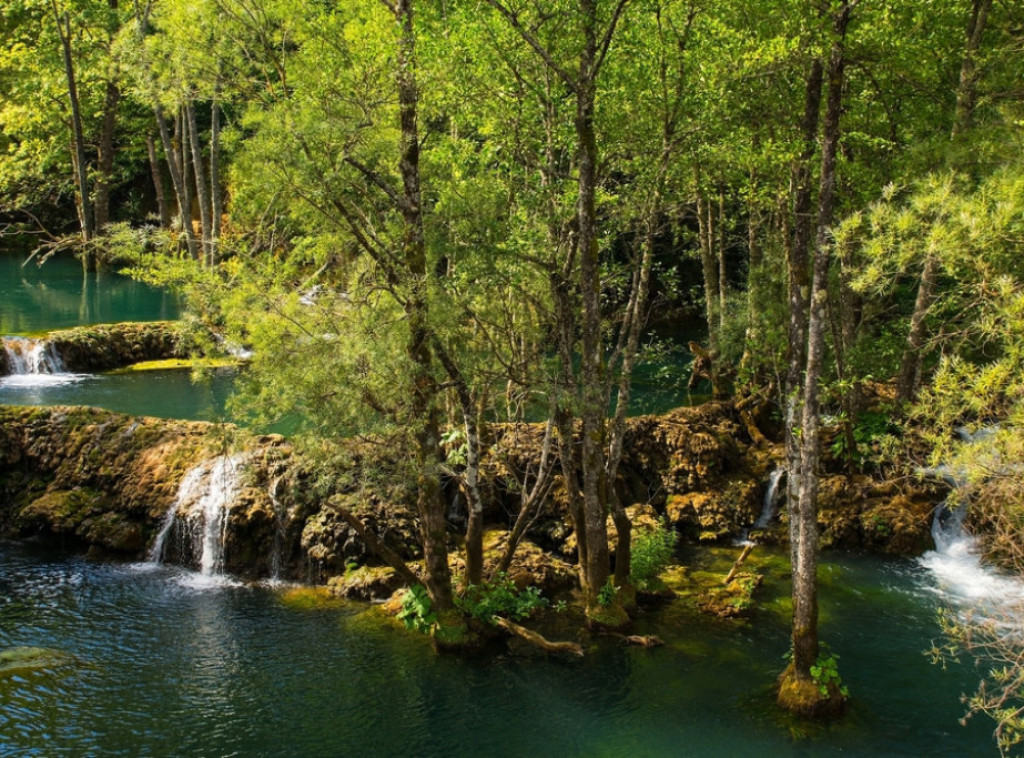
x=85, y=209
x=800, y=285
x=723, y=279
x=188, y=182
x=709, y=269
x=105, y=148
x=966, y=100
x=178, y=180
x=910, y=364
x=967, y=90
x=805, y=593
x=216, y=188
x=202, y=192
x=423, y=407
x=593, y=430
x=471, y=480
x=158, y=183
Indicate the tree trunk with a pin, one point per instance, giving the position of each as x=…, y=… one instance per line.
x=910, y=364
x=423, y=407
x=966, y=100
x=800, y=284
x=593, y=412
x=158, y=184
x=216, y=189
x=105, y=148
x=188, y=186
x=967, y=90
x=85, y=210
x=709, y=269
x=805, y=594
x=177, y=171
x=723, y=280
x=202, y=193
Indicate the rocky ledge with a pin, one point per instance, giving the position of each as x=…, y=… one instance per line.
x=98, y=480
x=101, y=347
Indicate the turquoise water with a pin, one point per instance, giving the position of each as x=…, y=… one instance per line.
x=158, y=664
x=58, y=295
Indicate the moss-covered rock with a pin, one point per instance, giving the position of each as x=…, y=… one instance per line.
x=108, y=346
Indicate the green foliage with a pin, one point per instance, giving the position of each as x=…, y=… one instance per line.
x=869, y=430
x=417, y=612
x=825, y=672
x=499, y=597
x=651, y=554
x=607, y=594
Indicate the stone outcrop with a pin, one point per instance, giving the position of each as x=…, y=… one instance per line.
x=104, y=347
x=100, y=480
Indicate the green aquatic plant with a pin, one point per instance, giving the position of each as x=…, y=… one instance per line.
x=417, y=611
x=499, y=597
x=651, y=554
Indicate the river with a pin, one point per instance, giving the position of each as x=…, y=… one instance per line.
x=151, y=660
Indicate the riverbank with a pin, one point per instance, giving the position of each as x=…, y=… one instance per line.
x=97, y=480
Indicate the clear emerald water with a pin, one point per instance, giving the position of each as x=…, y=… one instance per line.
x=160, y=665
x=59, y=294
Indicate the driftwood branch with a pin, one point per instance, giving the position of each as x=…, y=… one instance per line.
x=539, y=640
x=747, y=549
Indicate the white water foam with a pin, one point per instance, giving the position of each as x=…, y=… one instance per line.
x=204, y=500
x=34, y=363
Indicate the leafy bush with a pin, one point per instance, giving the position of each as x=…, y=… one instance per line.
x=499, y=597
x=652, y=552
x=417, y=611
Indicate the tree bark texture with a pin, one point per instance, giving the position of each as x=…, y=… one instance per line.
x=805, y=591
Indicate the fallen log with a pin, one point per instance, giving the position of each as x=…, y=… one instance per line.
x=570, y=648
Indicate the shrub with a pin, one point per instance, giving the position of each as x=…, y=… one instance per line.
x=652, y=552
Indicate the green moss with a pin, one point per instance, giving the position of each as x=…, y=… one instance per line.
x=452, y=633
x=17, y=661
x=176, y=363
x=803, y=697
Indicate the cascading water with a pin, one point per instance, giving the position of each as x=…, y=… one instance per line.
x=772, y=498
x=955, y=564
x=33, y=362
x=194, y=528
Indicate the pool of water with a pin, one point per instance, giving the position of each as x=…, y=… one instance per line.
x=153, y=662
x=59, y=294
x=173, y=394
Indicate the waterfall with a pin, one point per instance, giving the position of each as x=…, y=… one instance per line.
x=772, y=498
x=197, y=521
x=960, y=576
x=31, y=363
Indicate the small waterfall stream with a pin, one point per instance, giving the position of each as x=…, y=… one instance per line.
x=194, y=528
x=772, y=498
x=33, y=362
x=960, y=575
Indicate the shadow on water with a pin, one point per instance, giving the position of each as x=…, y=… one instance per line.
x=168, y=666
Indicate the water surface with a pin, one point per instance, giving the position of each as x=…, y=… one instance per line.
x=161, y=664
